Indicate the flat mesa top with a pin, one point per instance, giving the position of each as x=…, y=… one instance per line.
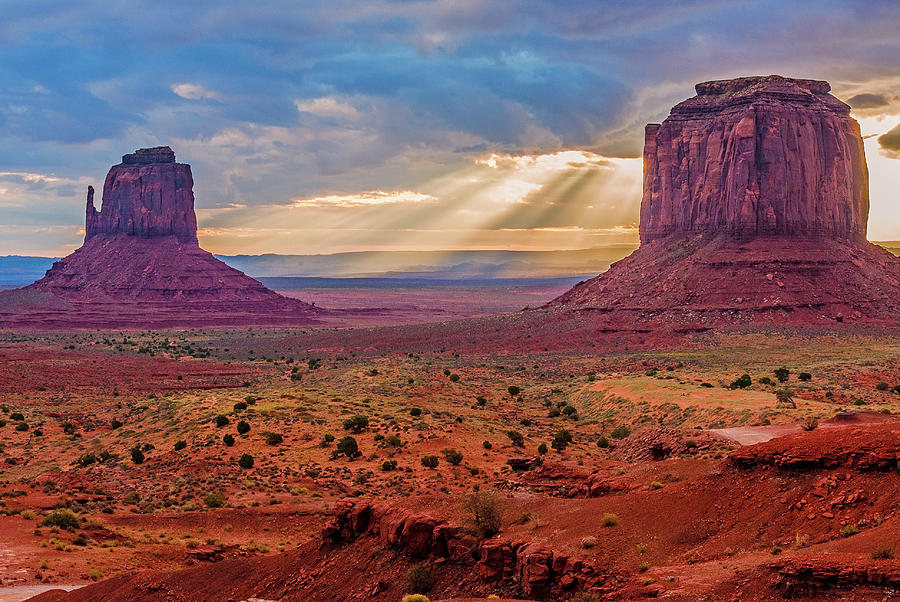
x=148, y=156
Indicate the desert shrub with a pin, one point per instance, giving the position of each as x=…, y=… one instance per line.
x=228, y=439
x=348, y=447
x=765, y=380
x=561, y=440
x=885, y=553
x=356, y=423
x=644, y=567
x=553, y=413
x=513, y=390
x=245, y=461
x=389, y=465
x=849, y=530
x=214, y=500
x=707, y=385
x=784, y=398
x=486, y=444
x=221, y=420
x=372, y=372
x=883, y=386
x=419, y=579
x=742, y=382
x=452, y=456
x=415, y=411
x=781, y=374
x=484, y=511
x=602, y=442
x=896, y=389
x=273, y=438
x=243, y=427
x=116, y=423
x=454, y=378
x=690, y=443
x=327, y=439
x=620, y=432
x=22, y=427
x=132, y=499
x=179, y=445
x=241, y=405
x=415, y=598
x=17, y=416
x=137, y=456
x=805, y=376
x=430, y=461
x=568, y=410
x=2, y=423
x=62, y=518
x=656, y=485
x=542, y=449
x=86, y=459
x=393, y=441
x=609, y=520
x=650, y=372
x=809, y=424
x=516, y=437
x=481, y=401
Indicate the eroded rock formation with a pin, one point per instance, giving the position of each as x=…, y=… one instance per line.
x=756, y=156
x=147, y=195
x=754, y=210
x=141, y=265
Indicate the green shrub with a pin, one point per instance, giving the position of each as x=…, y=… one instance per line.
x=389, y=465
x=243, y=427
x=765, y=380
x=179, y=445
x=356, y=423
x=348, y=447
x=246, y=461
x=273, y=438
x=452, y=456
x=620, y=432
x=883, y=386
x=561, y=439
x=602, y=442
x=228, y=439
x=849, y=530
x=430, y=461
x=782, y=374
x=137, y=456
x=17, y=416
x=214, y=500
x=393, y=441
x=221, y=421
x=517, y=438
x=484, y=510
x=132, y=499
x=454, y=378
x=415, y=411
x=22, y=427
x=419, y=579
x=241, y=405
x=62, y=518
x=486, y=444
x=481, y=401
x=542, y=449
x=805, y=376
x=742, y=382
x=115, y=424
x=513, y=390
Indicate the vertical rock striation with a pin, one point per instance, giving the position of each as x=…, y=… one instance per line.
x=756, y=156
x=147, y=195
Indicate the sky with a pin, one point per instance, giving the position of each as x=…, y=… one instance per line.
x=321, y=127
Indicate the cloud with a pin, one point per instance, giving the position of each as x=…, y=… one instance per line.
x=194, y=92
x=890, y=142
x=868, y=101
x=363, y=199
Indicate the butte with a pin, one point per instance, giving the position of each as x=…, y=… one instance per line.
x=754, y=212
x=141, y=265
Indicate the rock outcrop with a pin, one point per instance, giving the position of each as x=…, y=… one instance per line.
x=141, y=265
x=754, y=211
x=756, y=156
x=147, y=195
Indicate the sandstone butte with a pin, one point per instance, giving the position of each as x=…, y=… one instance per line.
x=142, y=266
x=754, y=210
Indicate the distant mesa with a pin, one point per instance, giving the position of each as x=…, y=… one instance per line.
x=141, y=264
x=754, y=210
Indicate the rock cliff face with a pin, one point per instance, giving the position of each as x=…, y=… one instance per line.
x=756, y=156
x=141, y=265
x=754, y=211
x=147, y=195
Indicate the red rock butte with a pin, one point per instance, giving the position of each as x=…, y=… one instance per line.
x=141, y=265
x=754, y=210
